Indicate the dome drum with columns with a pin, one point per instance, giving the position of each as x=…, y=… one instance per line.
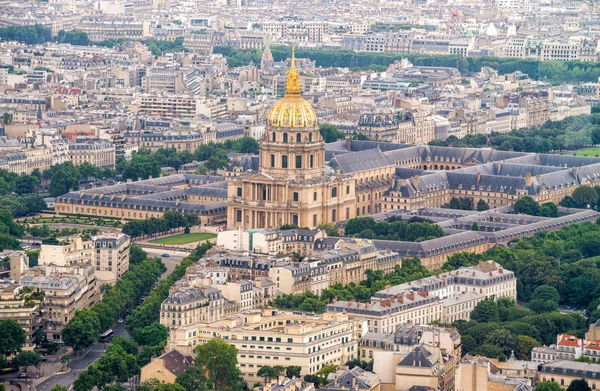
x=291, y=186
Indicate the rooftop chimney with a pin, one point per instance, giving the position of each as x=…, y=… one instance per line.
x=528, y=180
x=478, y=178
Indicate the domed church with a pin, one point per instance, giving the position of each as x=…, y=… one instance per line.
x=292, y=185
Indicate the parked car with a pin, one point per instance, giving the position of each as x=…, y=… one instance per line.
x=120, y=320
x=26, y=248
x=165, y=255
x=24, y=375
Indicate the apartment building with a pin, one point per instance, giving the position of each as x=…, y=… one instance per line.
x=66, y=290
x=67, y=251
x=179, y=140
x=244, y=293
x=564, y=372
x=97, y=152
x=99, y=29
x=111, y=256
x=24, y=161
x=559, y=51
x=20, y=305
x=191, y=307
x=432, y=298
x=419, y=128
x=270, y=337
x=407, y=336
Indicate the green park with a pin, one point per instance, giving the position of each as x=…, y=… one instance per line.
x=184, y=238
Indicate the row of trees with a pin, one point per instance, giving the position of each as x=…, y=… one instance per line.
x=582, y=197
x=214, y=155
x=376, y=280
x=465, y=203
x=529, y=206
x=30, y=35
x=36, y=34
x=10, y=231
x=18, y=193
x=169, y=220
x=551, y=71
x=87, y=324
x=124, y=358
x=414, y=230
x=570, y=133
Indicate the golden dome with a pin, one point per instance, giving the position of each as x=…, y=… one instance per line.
x=292, y=111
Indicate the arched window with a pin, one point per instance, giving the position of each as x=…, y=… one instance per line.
x=334, y=192
x=272, y=160
x=310, y=137
x=284, y=161
x=333, y=215
x=274, y=137
x=285, y=138
x=298, y=138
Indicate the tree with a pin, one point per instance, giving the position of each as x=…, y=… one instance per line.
x=485, y=311
x=526, y=205
x=584, y=196
x=579, y=385
x=152, y=335
x=128, y=345
x=482, y=205
x=248, y=145
x=82, y=331
x=525, y=345
x=74, y=37
x=491, y=351
x=330, y=133
x=596, y=135
x=26, y=184
x=549, y=209
x=474, y=227
x=548, y=386
x=27, y=359
x=192, y=379
x=330, y=229
x=219, y=359
x=58, y=387
x=12, y=337
x=63, y=181
x=541, y=306
x=64, y=360
x=293, y=371
x=546, y=292
x=568, y=202
x=136, y=255
x=266, y=372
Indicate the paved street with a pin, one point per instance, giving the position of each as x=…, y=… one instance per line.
x=78, y=364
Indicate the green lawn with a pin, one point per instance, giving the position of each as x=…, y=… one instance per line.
x=591, y=152
x=184, y=238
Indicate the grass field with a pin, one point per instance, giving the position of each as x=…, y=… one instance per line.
x=184, y=238
x=591, y=152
